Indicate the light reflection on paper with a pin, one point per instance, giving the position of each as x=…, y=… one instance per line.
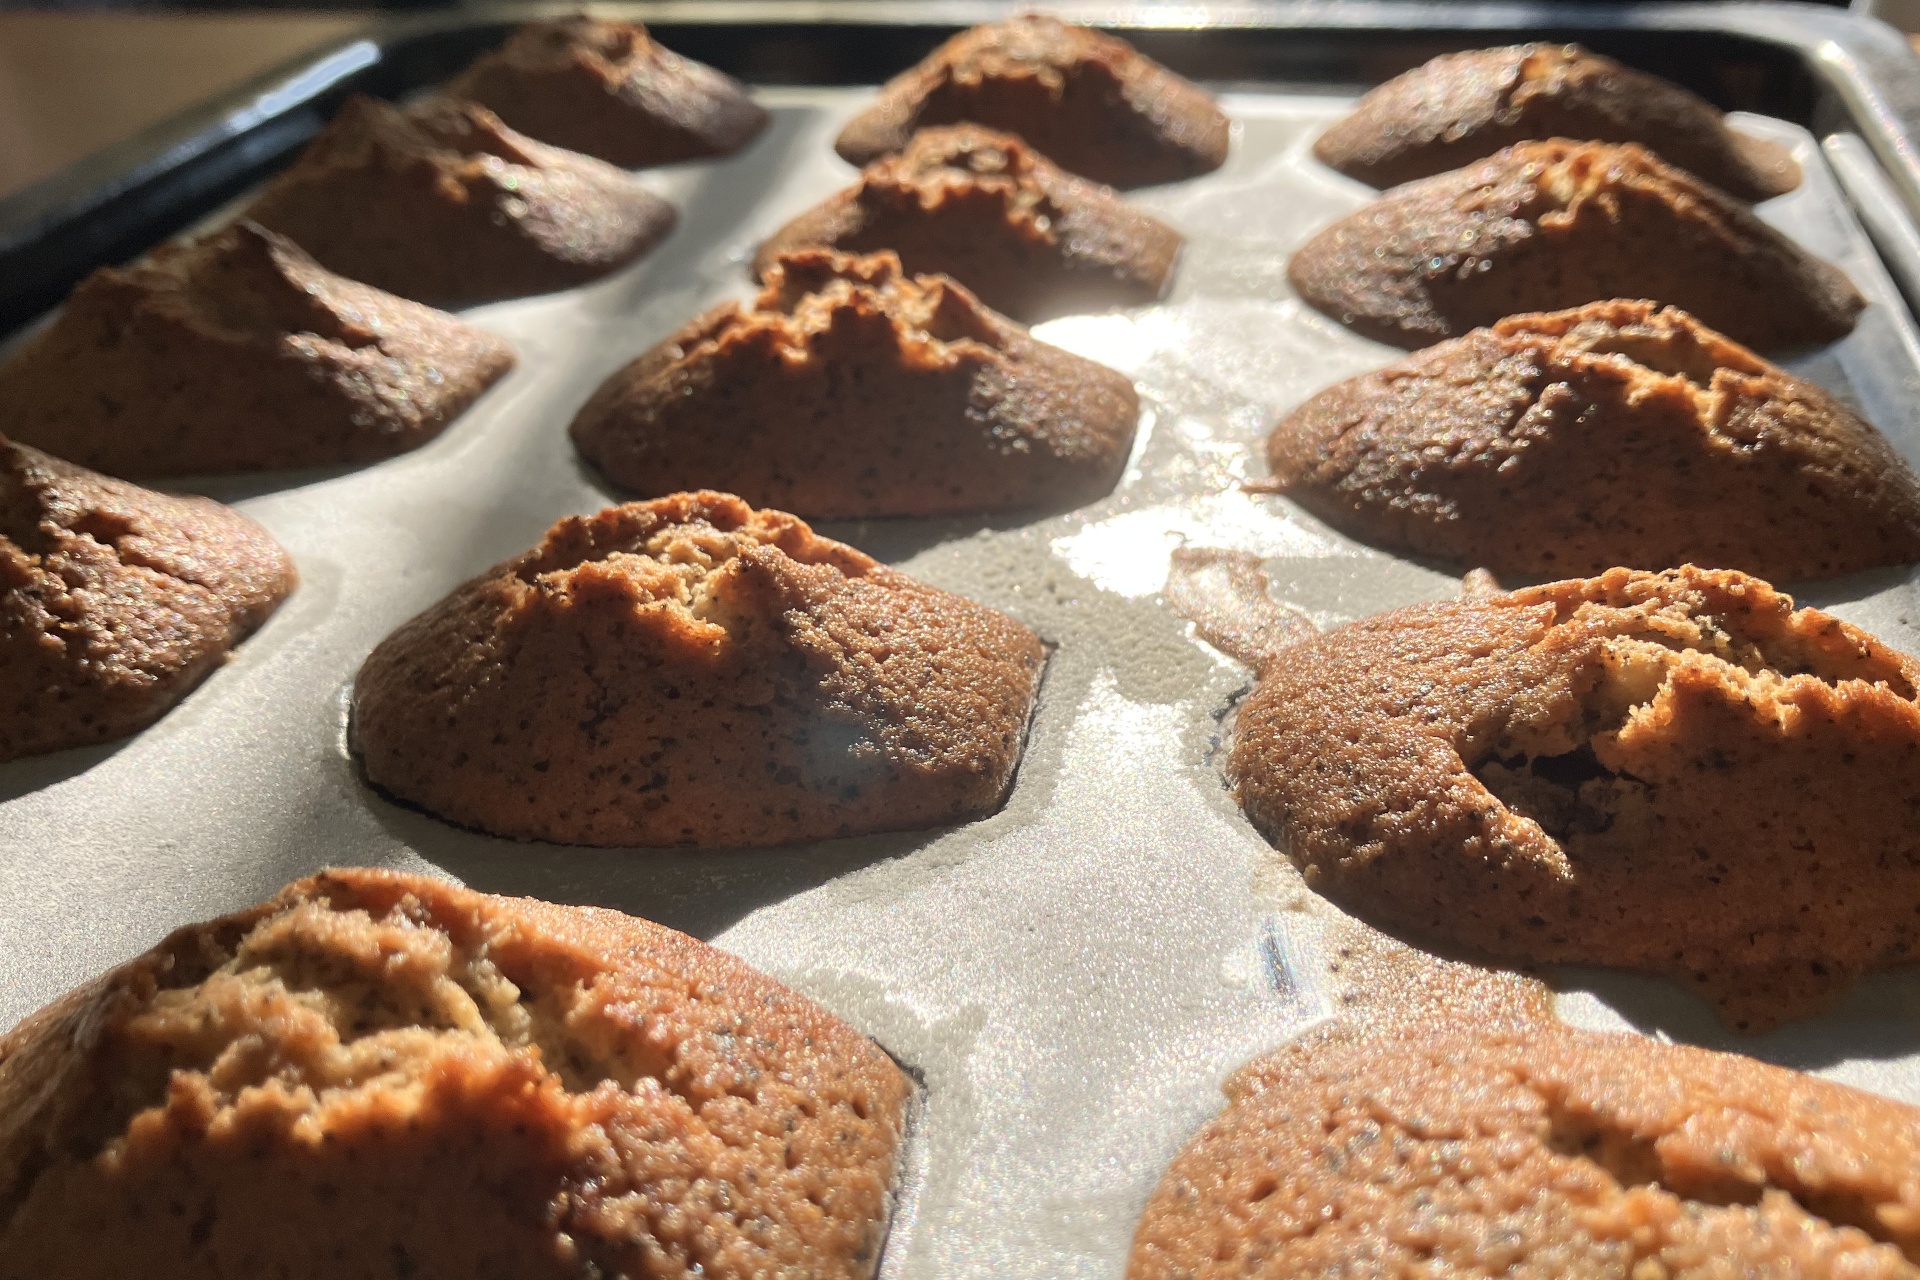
x=1142, y=437
x=1119, y=342
x=1227, y=343
x=1128, y=554
x=1228, y=457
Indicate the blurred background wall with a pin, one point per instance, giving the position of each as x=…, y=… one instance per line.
x=73, y=82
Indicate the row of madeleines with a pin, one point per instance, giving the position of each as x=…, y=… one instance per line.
x=377, y=1075
x=1671, y=772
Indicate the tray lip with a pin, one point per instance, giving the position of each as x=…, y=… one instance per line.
x=1871, y=68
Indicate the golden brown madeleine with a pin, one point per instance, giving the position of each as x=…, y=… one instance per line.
x=994, y=214
x=1461, y=107
x=1615, y=433
x=1673, y=773
x=608, y=89
x=1091, y=102
x=240, y=353
x=848, y=388
x=382, y=1075
x=1543, y=1151
x=691, y=671
x=444, y=204
x=1545, y=225
x=116, y=601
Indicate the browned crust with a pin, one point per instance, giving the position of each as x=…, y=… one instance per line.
x=1548, y=1151
x=116, y=601
x=1088, y=101
x=997, y=216
x=690, y=671
x=1615, y=433
x=382, y=1075
x=848, y=388
x=608, y=89
x=1461, y=107
x=1542, y=226
x=1673, y=773
x=240, y=353
x=444, y=204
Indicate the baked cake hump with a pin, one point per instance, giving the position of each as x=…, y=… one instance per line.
x=1543, y=226
x=1090, y=102
x=1674, y=773
x=443, y=203
x=382, y=1075
x=849, y=388
x=1462, y=106
x=1543, y=1152
x=994, y=214
x=608, y=89
x=1615, y=433
x=115, y=601
x=240, y=353
x=691, y=671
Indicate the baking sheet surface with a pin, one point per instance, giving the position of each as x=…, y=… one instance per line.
x=1072, y=977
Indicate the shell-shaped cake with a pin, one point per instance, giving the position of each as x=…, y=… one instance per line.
x=608, y=89
x=444, y=204
x=849, y=389
x=240, y=353
x=116, y=601
x=692, y=671
x=1090, y=102
x=1615, y=433
x=999, y=217
x=1461, y=107
x=1545, y=1151
x=1543, y=226
x=1673, y=773
x=376, y=1074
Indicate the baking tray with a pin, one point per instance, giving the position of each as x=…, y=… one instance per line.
x=1072, y=978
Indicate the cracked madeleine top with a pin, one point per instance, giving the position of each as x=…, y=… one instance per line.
x=691, y=671
x=1091, y=102
x=1675, y=773
x=849, y=389
x=443, y=203
x=240, y=353
x=1545, y=1152
x=1543, y=226
x=1462, y=106
x=116, y=601
x=993, y=213
x=610, y=90
x=1616, y=433
x=381, y=1075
